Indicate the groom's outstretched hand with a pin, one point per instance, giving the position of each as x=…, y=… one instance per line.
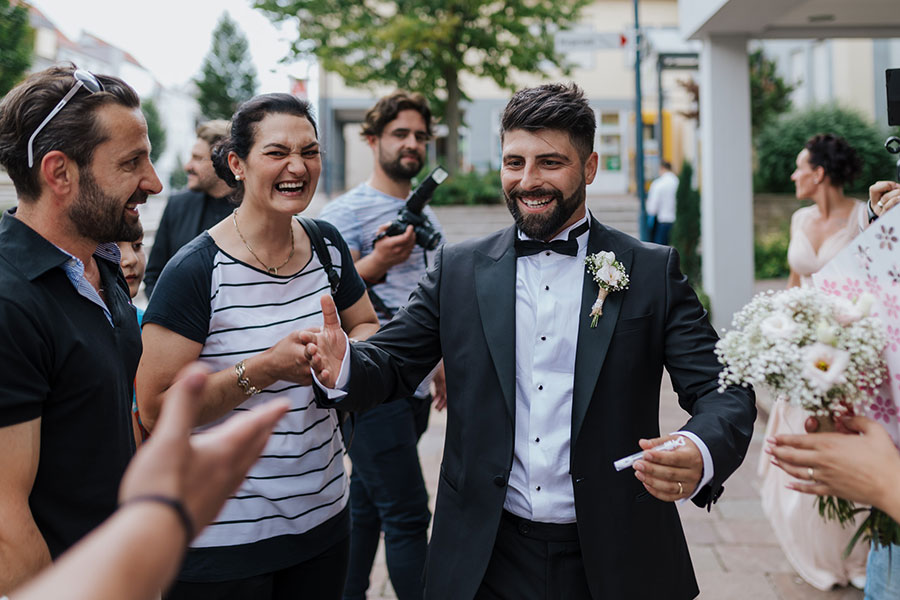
x=661, y=471
x=325, y=347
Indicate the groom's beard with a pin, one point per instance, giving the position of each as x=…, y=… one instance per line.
x=545, y=225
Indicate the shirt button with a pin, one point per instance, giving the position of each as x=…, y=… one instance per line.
x=538, y=488
x=543, y=338
x=540, y=387
x=537, y=440
x=547, y=287
x=547, y=253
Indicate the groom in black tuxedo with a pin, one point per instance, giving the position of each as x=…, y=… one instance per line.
x=540, y=404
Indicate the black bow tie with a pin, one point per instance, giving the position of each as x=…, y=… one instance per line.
x=568, y=247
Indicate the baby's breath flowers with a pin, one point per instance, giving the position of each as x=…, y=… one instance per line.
x=610, y=276
x=817, y=351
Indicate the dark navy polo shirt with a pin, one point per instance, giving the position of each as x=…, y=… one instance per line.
x=62, y=361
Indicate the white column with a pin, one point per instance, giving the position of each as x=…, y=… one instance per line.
x=727, y=179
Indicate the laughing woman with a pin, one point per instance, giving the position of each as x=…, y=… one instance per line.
x=235, y=298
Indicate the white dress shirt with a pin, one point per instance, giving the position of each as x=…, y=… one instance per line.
x=661, y=197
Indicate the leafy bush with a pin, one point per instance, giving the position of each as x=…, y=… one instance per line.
x=686, y=230
x=770, y=255
x=468, y=189
x=779, y=143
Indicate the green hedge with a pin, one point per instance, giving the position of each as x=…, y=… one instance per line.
x=779, y=143
x=770, y=255
x=468, y=189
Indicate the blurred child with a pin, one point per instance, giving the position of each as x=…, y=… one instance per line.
x=133, y=262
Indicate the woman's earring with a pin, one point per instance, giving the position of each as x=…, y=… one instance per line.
x=237, y=177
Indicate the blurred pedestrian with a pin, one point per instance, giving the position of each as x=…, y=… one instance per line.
x=661, y=204
x=205, y=203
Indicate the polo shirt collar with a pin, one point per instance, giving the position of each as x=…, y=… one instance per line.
x=33, y=254
x=25, y=249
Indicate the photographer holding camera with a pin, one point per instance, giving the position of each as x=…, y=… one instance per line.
x=387, y=490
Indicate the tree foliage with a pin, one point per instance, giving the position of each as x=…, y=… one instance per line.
x=155, y=129
x=16, y=44
x=227, y=77
x=770, y=96
x=686, y=230
x=178, y=178
x=426, y=45
x=780, y=141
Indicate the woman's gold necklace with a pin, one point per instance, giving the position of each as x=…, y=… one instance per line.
x=270, y=270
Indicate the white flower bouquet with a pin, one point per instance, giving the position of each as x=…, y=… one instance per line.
x=820, y=352
x=823, y=353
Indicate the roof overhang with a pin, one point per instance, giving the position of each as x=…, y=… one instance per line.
x=790, y=19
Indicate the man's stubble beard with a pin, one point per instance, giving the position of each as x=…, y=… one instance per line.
x=543, y=226
x=101, y=218
x=395, y=169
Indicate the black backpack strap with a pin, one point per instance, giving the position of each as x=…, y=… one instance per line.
x=311, y=227
x=318, y=243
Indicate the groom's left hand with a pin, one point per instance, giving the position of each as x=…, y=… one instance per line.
x=661, y=471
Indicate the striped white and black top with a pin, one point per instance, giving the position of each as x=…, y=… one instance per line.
x=237, y=311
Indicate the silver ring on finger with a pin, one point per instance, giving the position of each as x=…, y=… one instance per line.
x=811, y=473
x=880, y=203
x=680, y=488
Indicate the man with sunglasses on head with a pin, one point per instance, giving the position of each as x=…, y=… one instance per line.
x=75, y=146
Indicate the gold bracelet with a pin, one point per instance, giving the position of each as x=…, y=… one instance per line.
x=243, y=382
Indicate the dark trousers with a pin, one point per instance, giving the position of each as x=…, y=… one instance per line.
x=534, y=561
x=661, y=233
x=321, y=577
x=387, y=492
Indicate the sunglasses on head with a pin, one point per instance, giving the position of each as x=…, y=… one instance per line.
x=84, y=79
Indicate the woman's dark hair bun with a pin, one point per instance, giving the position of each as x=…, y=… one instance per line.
x=219, y=157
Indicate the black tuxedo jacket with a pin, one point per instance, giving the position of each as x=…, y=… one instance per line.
x=464, y=310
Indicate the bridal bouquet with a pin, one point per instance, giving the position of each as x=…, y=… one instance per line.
x=823, y=353
x=820, y=352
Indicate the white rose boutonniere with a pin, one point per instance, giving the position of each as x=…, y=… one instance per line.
x=610, y=276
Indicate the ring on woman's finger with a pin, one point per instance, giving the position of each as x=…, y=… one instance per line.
x=811, y=473
x=880, y=203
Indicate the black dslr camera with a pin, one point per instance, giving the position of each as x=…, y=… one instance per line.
x=411, y=214
x=892, y=79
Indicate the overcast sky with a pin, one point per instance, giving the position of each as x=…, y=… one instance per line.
x=171, y=37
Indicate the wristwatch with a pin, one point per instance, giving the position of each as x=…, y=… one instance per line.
x=872, y=215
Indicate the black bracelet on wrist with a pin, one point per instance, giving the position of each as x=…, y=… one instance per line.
x=172, y=503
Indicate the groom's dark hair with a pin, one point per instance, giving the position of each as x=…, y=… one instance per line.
x=553, y=106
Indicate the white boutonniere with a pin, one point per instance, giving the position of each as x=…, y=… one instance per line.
x=610, y=276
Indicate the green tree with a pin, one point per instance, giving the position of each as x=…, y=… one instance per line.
x=227, y=77
x=178, y=178
x=155, y=129
x=770, y=96
x=686, y=230
x=16, y=44
x=779, y=142
x=426, y=45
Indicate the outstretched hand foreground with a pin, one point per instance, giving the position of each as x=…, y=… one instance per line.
x=325, y=348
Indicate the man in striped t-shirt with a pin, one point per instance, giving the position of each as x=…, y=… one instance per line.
x=386, y=486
